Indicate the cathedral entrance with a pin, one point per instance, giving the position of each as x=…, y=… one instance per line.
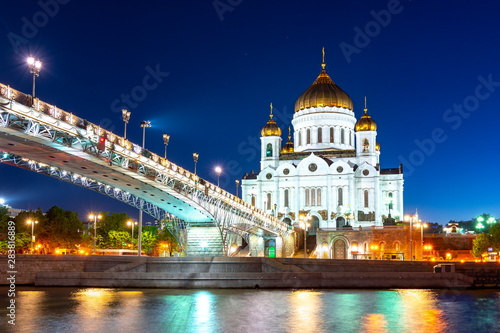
x=314, y=225
x=339, y=249
x=340, y=222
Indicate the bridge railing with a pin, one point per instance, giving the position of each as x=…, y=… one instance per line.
x=134, y=151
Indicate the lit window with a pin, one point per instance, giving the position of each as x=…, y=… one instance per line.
x=269, y=150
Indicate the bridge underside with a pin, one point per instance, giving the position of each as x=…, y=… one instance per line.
x=49, y=141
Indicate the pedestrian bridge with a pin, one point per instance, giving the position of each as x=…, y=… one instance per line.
x=207, y=220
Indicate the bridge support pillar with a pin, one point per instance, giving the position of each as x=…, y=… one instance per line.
x=257, y=246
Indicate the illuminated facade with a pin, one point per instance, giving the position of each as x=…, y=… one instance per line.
x=330, y=173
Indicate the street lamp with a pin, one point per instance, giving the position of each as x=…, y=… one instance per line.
x=132, y=224
x=166, y=139
x=304, y=223
x=421, y=225
x=94, y=217
x=32, y=222
x=195, y=159
x=253, y=192
x=218, y=171
x=126, y=117
x=35, y=66
x=411, y=218
x=144, y=124
x=237, y=181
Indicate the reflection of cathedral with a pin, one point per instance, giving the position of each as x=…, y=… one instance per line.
x=330, y=171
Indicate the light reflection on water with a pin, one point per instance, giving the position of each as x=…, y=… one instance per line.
x=301, y=311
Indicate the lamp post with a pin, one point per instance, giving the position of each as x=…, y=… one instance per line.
x=94, y=217
x=35, y=66
x=166, y=139
x=126, y=117
x=218, y=171
x=237, y=181
x=304, y=223
x=132, y=224
x=411, y=218
x=195, y=159
x=144, y=124
x=32, y=222
x=421, y=225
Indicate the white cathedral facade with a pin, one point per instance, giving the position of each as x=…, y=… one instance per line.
x=330, y=174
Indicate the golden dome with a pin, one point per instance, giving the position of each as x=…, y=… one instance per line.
x=271, y=128
x=377, y=147
x=323, y=92
x=288, y=147
x=366, y=123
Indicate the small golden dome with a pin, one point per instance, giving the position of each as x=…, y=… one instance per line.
x=288, y=147
x=377, y=147
x=366, y=123
x=323, y=92
x=271, y=128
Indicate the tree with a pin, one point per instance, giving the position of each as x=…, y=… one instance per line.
x=62, y=228
x=484, y=241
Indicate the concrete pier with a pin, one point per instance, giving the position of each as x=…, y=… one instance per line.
x=228, y=272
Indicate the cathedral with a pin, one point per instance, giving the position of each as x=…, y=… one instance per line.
x=330, y=173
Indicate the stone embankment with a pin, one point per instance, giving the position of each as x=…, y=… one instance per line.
x=232, y=272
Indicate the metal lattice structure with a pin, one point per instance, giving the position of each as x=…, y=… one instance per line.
x=169, y=185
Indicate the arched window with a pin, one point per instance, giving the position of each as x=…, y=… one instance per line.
x=340, y=195
x=342, y=139
x=253, y=200
x=286, y=198
x=320, y=135
x=397, y=246
x=268, y=197
x=318, y=196
x=350, y=138
x=300, y=138
x=308, y=136
x=331, y=134
x=269, y=150
x=313, y=197
x=366, y=198
x=307, y=197
x=366, y=145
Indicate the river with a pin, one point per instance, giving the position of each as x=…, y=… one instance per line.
x=249, y=310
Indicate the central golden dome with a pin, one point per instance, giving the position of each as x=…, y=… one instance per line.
x=323, y=92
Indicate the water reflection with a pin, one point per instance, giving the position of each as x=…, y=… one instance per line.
x=302, y=311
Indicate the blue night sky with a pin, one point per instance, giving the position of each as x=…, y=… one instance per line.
x=430, y=71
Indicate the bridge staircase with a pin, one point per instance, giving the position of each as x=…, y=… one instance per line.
x=204, y=241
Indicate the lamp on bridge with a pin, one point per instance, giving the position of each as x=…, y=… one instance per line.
x=195, y=159
x=218, y=171
x=32, y=222
x=304, y=223
x=166, y=139
x=144, y=124
x=132, y=224
x=126, y=117
x=94, y=217
x=35, y=66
